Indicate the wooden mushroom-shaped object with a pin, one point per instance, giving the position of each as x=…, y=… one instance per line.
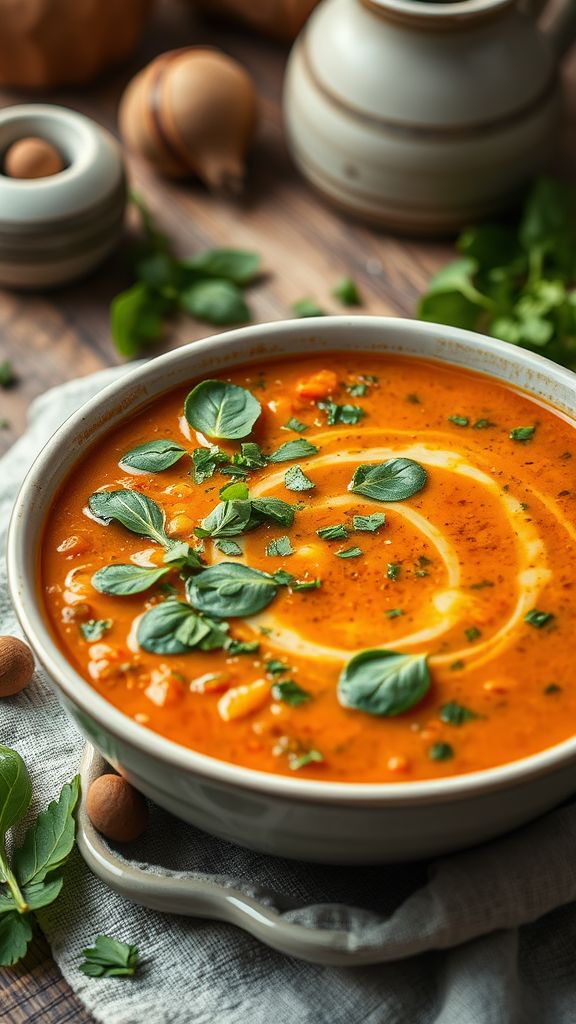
x=192, y=112
x=281, y=19
x=60, y=42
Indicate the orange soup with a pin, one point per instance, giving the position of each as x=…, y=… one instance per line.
x=353, y=567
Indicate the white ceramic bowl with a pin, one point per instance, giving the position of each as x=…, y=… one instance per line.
x=324, y=821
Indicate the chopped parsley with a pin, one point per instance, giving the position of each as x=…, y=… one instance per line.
x=95, y=629
x=394, y=613
x=306, y=757
x=290, y=693
x=440, y=752
x=280, y=546
x=393, y=570
x=483, y=424
x=472, y=633
x=522, y=433
x=454, y=713
x=295, y=425
x=369, y=524
x=538, y=618
x=413, y=399
x=347, y=414
x=459, y=421
x=295, y=479
x=242, y=647
x=274, y=667
x=349, y=553
x=337, y=532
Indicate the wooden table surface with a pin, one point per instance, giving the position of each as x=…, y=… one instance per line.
x=54, y=336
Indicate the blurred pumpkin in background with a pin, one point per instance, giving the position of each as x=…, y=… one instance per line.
x=282, y=19
x=46, y=43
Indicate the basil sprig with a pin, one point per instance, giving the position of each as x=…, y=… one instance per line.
x=232, y=518
x=173, y=627
x=218, y=409
x=231, y=590
x=382, y=682
x=394, y=480
x=132, y=510
x=123, y=580
x=153, y=456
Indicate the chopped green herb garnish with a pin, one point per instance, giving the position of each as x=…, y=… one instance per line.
x=205, y=461
x=295, y=479
x=299, y=448
x=456, y=666
x=440, y=752
x=483, y=424
x=235, y=491
x=307, y=584
x=454, y=713
x=283, y=578
x=357, y=390
x=537, y=618
x=300, y=760
x=250, y=455
x=413, y=399
x=393, y=570
x=234, y=647
x=369, y=524
x=337, y=532
x=349, y=553
x=95, y=629
x=274, y=667
x=459, y=421
x=472, y=633
x=394, y=613
x=307, y=307
x=346, y=414
x=228, y=547
x=346, y=291
x=290, y=693
x=552, y=688
x=279, y=547
x=481, y=585
x=296, y=425
x=522, y=433
x=109, y=958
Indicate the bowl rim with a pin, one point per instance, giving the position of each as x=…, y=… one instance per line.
x=79, y=692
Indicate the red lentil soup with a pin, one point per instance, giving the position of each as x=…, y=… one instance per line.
x=352, y=567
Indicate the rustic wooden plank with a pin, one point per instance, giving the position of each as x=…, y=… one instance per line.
x=34, y=992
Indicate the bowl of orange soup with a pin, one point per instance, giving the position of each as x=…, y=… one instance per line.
x=310, y=585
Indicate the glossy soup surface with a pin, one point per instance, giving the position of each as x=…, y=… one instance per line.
x=474, y=571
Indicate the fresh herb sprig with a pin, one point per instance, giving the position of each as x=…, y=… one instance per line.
x=516, y=282
x=109, y=958
x=33, y=878
x=208, y=287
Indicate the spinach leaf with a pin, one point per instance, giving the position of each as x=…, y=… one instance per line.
x=218, y=409
x=273, y=510
x=49, y=841
x=153, y=456
x=369, y=524
x=236, y=265
x=132, y=510
x=295, y=479
x=109, y=958
x=205, y=462
x=290, y=693
x=216, y=302
x=383, y=682
x=230, y=589
x=228, y=519
x=297, y=449
x=394, y=480
x=347, y=414
x=123, y=580
x=235, y=491
x=15, y=793
x=173, y=627
x=337, y=532
x=280, y=546
x=95, y=629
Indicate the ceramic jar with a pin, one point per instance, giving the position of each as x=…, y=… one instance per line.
x=57, y=228
x=423, y=116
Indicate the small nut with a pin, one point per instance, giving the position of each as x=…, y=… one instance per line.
x=116, y=809
x=16, y=665
x=32, y=158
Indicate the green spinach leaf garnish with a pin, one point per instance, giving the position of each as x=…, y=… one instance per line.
x=123, y=580
x=394, y=480
x=289, y=692
x=231, y=590
x=235, y=491
x=382, y=682
x=250, y=455
x=295, y=479
x=218, y=409
x=153, y=456
x=173, y=627
x=132, y=510
x=369, y=524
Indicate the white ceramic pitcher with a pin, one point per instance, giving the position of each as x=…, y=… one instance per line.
x=424, y=116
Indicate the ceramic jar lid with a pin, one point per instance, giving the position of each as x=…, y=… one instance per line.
x=56, y=228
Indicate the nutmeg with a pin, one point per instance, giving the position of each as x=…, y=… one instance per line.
x=32, y=158
x=192, y=111
x=116, y=809
x=16, y=665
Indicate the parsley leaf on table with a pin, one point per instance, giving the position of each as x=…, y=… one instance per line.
x=109, y=958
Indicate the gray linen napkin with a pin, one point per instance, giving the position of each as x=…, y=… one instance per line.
x=485, y=937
